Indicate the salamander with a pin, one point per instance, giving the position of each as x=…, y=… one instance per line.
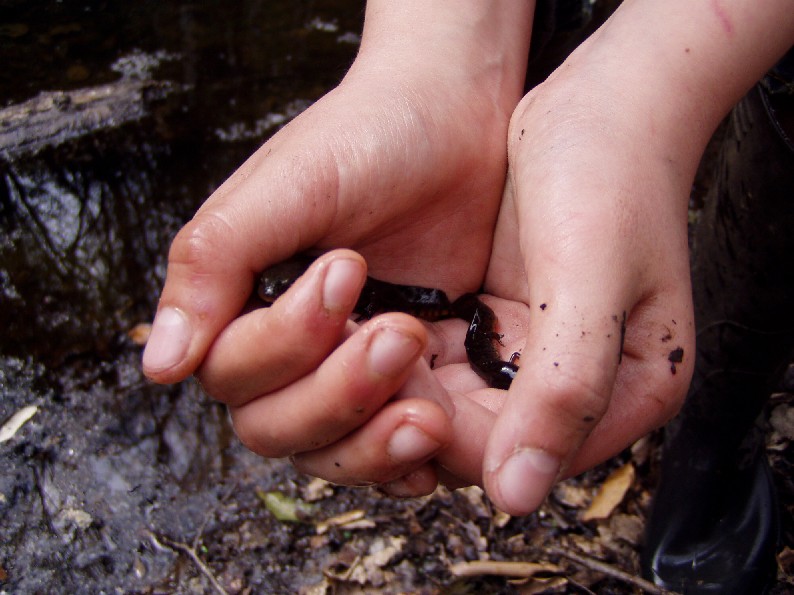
x=480, y=349
x=423, y=302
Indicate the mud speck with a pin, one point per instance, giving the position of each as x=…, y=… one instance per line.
x=676, y=356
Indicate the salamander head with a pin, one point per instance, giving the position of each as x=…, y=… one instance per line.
x=277, y=279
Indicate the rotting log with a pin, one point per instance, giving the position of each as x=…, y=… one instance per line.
x=54, y=117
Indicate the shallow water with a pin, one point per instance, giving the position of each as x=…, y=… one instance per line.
x=110, y=466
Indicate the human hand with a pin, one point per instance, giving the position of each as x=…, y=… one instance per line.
x=601, y=159
x=409, y=146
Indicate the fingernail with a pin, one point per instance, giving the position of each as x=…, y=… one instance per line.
x=399, y=488
x=391, y=351
x=409, y=444
x=342, y=284
x=525, y=479
x=168, y=341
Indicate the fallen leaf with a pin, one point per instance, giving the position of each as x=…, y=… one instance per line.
x=785, y=560
x=476, y=497
x=627, y=528
x=641, y=450
x=347, y=520
x=283, y=507
x=139, y=334
x=322, y=588
x=500, y=519
x=571, y=495
x=611, y=493
x=16, y=421
x=368, y=569
x=317, y=489
x=538, y=586
x=382, y=551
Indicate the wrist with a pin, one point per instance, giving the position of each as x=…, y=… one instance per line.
x=463, y=46
x=683, y=65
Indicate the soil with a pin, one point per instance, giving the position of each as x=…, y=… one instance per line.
x=109, y=483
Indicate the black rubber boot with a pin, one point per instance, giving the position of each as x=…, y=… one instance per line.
x=714, y=523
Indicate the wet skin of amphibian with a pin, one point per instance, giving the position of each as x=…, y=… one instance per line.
x=423, y=302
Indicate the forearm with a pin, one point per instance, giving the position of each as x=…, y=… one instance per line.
x=459, y=42
x=680, y=65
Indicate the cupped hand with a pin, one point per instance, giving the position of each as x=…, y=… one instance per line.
x=405, y=165
x=592, y=238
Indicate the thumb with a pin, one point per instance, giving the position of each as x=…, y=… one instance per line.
x=562, y=390
x=241, y=229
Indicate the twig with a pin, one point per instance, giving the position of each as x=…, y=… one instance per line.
x=191, y=553
x=613, y=572
x=497, y=568
x=190, y=550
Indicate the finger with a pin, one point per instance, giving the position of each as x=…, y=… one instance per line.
x=214, y=259
x=393, y=447
x=396, y=442
x=651, y=382
x=339, y=396
x=270, y=347
x=574, y=362
x=562, y=390
x=421, y=482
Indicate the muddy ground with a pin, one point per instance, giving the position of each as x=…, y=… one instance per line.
x=109, y=484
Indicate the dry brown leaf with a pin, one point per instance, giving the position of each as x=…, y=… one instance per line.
x=782, y=421
x=317, y=489
x=571, y=495
x=349, y=520
x=500, y=519
x=627, y=528
x=381, y=551
x=610, y=494
x=139, y=334
x=641, y=450
x=369, y=568
x=322, y=588
x=785, y=560
x=476, y=497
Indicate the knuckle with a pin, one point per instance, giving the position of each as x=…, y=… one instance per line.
x=202, y=242
x=268, y=442
x=219, y=389
x=669, y=397
x=578, y=392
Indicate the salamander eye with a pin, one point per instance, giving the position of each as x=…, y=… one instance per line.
x=271, y=289
x=276, y=280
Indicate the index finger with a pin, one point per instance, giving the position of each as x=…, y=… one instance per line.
x=242, y=228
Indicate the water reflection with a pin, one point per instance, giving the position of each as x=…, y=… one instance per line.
x=87, y=219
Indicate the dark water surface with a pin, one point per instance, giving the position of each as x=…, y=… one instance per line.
x=111, y=467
